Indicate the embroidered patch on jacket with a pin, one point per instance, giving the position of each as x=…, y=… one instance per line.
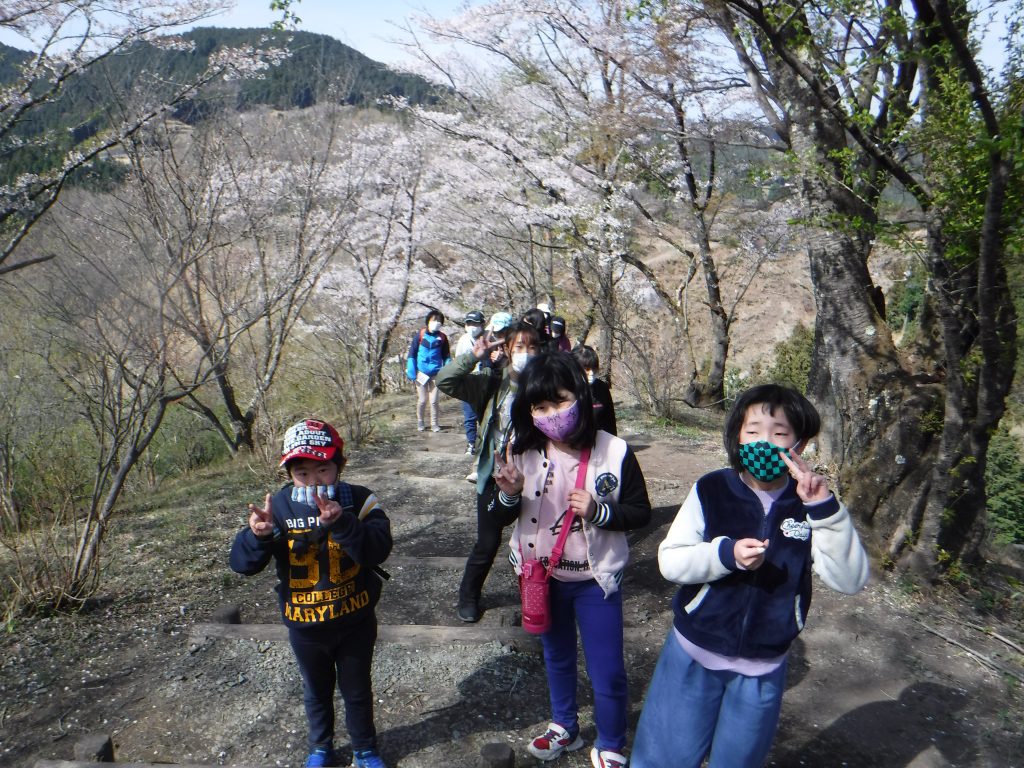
x=795, y=530
x=606, y=483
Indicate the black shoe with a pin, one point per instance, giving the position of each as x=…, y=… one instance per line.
x=469, y=611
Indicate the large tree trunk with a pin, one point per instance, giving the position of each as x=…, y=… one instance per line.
x=875, y=431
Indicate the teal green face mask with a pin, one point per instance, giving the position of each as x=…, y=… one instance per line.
x=762, y=460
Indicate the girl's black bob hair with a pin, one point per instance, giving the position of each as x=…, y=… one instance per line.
x=538, y=320
x=434, y=313
x=541, y=380
x=802, y=416
x=586, y=357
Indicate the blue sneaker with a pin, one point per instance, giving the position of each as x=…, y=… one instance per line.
x=367, y=758
x=323, y=757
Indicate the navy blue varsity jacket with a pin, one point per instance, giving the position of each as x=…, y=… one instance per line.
x=754, y=614
x=324, y=574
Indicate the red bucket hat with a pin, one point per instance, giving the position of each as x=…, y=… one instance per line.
x=312, y=439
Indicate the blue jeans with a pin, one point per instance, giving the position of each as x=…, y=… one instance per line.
x=600, y=623
x=469, y=422
x=691, y=710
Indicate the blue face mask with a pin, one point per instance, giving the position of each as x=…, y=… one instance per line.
x=762, y=460
x=305, y=495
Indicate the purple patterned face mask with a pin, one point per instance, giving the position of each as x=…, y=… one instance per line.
x=559, y=425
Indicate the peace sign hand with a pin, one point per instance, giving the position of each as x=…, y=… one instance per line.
x=484, y=345
x=261, y=520
x=507, y=477
x=810, y=486
x=330, y=510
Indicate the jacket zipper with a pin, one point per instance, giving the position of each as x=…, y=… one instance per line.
x=752, y=586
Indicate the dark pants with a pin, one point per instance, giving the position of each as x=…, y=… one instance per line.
x=488, y=540
x=327, y=657
x=469, y=422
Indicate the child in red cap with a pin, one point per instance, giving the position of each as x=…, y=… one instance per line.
x=327, y=538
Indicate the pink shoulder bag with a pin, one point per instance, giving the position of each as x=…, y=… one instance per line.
x=533, y=581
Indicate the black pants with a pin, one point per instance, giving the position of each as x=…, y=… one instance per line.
x=327, y=657
x=488, y=540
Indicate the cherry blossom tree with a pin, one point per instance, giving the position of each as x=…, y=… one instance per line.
x=252, y=209
x=66, y=40
x=399, y=171
x=592, y=108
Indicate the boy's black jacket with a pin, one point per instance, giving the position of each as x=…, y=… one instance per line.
x=324, y=574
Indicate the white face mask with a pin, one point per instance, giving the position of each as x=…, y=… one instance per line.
x=590, y=377
x=433, y=326
x=519, y=361
x=474, y=330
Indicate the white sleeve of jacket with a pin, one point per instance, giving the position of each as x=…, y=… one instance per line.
x=684, y=557
x=839, y=557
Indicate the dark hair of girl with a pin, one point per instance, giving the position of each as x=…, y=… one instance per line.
x=541, y=380
x=434, y=313
x=802, y=416
x=586, y=357
x=538, y=320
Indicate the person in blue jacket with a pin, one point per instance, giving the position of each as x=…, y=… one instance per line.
x=327, y=539
x=742, y=548
x=429, y=352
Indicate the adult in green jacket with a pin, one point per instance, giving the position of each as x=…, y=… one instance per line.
x=491, y=394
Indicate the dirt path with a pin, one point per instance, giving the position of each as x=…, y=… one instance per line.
x=869, y=684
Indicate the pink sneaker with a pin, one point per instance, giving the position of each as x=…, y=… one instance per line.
x=554, y=742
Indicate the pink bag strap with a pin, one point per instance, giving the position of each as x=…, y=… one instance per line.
x=570, y=516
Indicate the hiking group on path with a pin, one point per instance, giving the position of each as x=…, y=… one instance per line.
x=541, y=425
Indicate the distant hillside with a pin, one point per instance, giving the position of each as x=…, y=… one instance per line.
x=319, y=68
x=10, y=58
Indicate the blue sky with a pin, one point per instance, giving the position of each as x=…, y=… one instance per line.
x=365, y=25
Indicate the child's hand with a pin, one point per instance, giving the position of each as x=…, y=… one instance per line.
x=749, y=553
x=810, y=486
x=484, y=345
x=506, y=476
x=261, y=521
x=582, y=503
x=330, y=510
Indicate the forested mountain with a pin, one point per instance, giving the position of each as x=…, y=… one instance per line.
x=317, y=68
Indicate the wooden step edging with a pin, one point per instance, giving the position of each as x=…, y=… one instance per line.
x=400, y=634
x=492, y=755
x=421, y=635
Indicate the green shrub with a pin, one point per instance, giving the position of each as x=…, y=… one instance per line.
x=791, y=365
x=185, y=442
x=903, y=304
x=1004, y=479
